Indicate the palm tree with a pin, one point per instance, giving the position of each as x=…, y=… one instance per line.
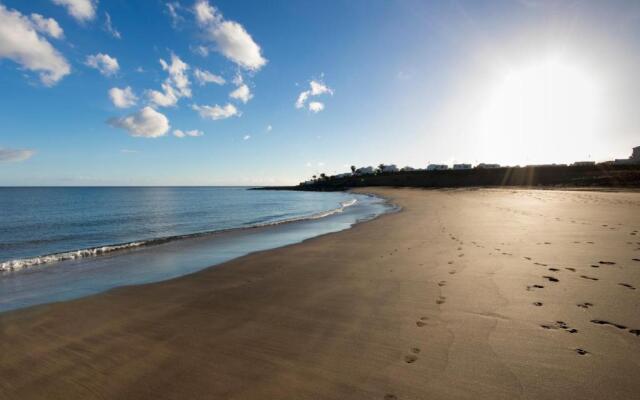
x=353, y=169
x=323, y=176
x=381, y=167
x=314, y=177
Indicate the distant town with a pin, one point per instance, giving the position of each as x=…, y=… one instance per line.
x=634, y=159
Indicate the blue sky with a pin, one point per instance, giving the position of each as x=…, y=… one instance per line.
x=404, y=82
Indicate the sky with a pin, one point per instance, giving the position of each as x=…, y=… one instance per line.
x=186, y=92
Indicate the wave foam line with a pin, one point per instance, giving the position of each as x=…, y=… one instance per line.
x=18, y=264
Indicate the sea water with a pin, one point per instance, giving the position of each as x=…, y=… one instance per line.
x=63, y=243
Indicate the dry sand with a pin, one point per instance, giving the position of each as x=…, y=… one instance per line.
x=465, y=294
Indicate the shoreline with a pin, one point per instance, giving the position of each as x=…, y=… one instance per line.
x=436, y=301
x=168, y=258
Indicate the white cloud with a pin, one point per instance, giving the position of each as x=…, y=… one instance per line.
x=246, y=137
x=217, y=112
x=104, y=63
x=176, y=86
x=108, y=26
x=20, y=42
x=200, y=50
x=242, y=93
x=203, y=77
x=177, y=75
x=166, y=98
x=205, y=13
x=15, y=155
x=192, y=133
x=316, y=106
x=48, y=26
x=81, y=10
x=122, y=98
x=145, y=123
x=173, y=9
x=231, y=39
x=316, y=88
x=269, y=128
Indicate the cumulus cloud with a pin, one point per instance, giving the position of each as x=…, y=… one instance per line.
x=269, y=128
x=203, y=77
x=176, y=86
x=230, y=38
x=217, y=112
x=108, y=26
x=15, y=155
x=316, y=88
x=48, y=26
x=81, y=10
x=316, y=106
x=104, y=63
x=242, y=93
x=246, y=137
x=122, y=98
x=147, y=122
x=21, y=43
x=192, y=133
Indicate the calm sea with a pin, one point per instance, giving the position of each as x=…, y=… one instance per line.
x=63, y=243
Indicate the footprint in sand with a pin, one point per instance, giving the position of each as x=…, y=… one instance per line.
x=582, y=352
x=551, y=278
x=450, y=262
x=635, y=259
x=452, y=272
x=606, y=262
x=585, y=305
x=560, y=325
x=595, y=266
x=537, y=304
x=415, y=350
x=554, y=269
x=410, y=359
x=531, y=287
x=421, y=322
x=390, y=396
x=627, y=286
x=589, y=277
x=602, y=322
x=635, y=331
x=570, y=269
x=528, y=258
x=441, y=300
x=540, y=264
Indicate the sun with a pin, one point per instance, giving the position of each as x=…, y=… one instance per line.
x=546, y=111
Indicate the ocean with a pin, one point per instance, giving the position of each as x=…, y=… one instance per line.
x=63, y=243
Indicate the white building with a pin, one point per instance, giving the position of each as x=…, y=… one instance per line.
x=461, y=166
x=437, y=167
x=365, y=171
x=483, y=165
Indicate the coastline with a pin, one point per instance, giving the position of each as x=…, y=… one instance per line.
x=436, y=301
x=76, y=274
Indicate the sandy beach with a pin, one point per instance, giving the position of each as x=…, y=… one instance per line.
x=464, y=294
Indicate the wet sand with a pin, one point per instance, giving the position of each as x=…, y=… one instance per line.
x=465, y=294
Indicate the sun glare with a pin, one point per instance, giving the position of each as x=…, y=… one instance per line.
x=544, y=112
